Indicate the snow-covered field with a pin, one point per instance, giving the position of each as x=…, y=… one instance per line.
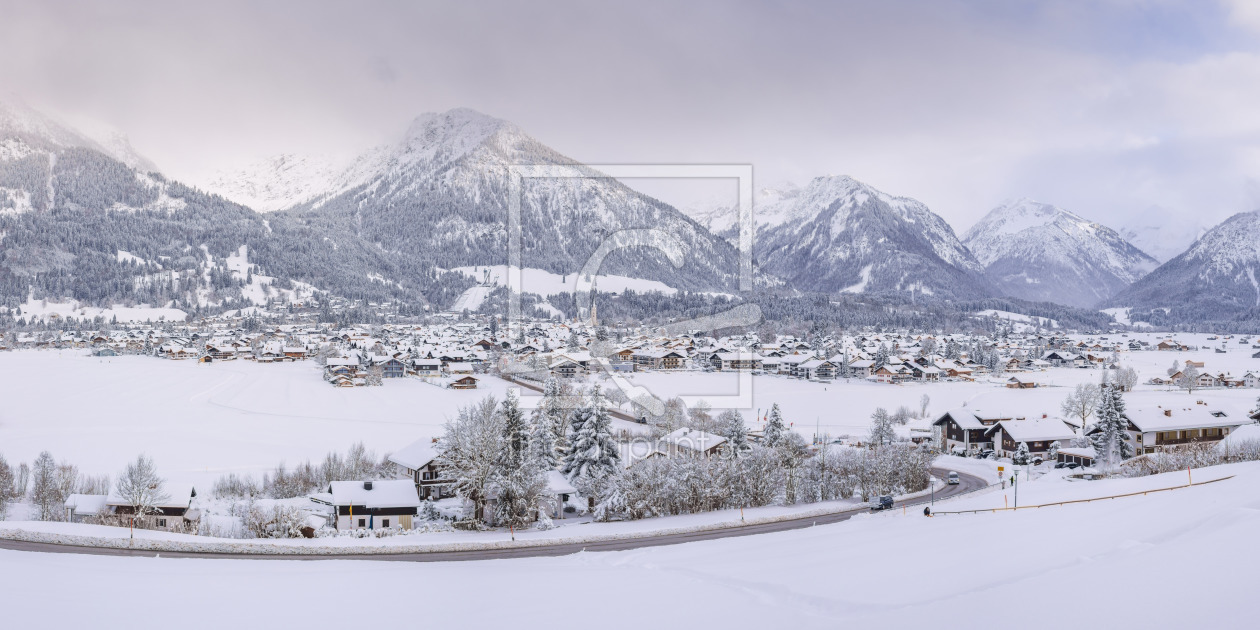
x=1178, y=559
x=199, y=421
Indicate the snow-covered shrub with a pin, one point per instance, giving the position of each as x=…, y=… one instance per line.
x=280, y=521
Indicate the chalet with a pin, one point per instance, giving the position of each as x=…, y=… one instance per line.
x=1037, y=433
x=1169, y=345
x=736, y=361
x=464, y=382
x=459, y=368
x=1016, y=382
x=892, y=373
x=564, y=368
x=173, y=511
x=658, y=359
x=816, y=370
x=383, y=504
x=862, y=368
x=966, y=429
x=1152, y=429
x=82, y=508
x=689, y=443
x=924, y=372
x=418, y=460
x=426, y=367
x=391, y=367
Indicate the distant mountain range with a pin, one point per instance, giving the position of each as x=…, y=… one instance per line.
x=1039, y=252
x=1217, y=279
x=94, y=221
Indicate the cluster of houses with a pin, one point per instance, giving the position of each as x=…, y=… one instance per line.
x=1205, y=379
x=1000, y=432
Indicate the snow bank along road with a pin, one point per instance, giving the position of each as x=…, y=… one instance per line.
x=967, y=483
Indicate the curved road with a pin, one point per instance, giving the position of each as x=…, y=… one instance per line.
x=967, y=483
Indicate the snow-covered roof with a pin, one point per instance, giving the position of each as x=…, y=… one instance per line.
x=178, y=496
x=85, y=504
x=416, y=455
x=384, y=493
x=1181, y=418
x=1036, y=429
x=557, y=484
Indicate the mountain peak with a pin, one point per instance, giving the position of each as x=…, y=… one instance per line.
x=1038, y=251
x=458, y=130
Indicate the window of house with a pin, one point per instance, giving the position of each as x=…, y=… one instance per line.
x=363, y=522
x=161, y=522
x=384, y=522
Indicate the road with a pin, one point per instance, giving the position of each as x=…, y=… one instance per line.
x=966, y=483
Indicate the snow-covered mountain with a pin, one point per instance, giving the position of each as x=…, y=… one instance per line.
x=25, y=129
x=772, y=206
x=440, y=194
x=1217, y=278
x=1040, y=252
x=78, y=224
x=840, y=235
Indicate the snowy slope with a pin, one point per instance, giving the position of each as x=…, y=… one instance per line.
x=1040, y=252
x=1149, y=552
x=1217, y=278
x=24, y=129
x=279, y=182
x=838, y=234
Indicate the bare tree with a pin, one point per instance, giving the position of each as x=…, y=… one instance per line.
x=1082, y=402
x=923, y=405
x=141, y=487
x=1127, y=378
x=1189, y=378
x=8, y=489
x=45, y=491
x=470, y=451
x=882, y=427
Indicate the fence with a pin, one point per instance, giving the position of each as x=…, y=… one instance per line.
x=1115, y=496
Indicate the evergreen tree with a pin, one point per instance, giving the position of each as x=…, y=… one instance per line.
x=736, y=434
x=1020, y=458
x=881, y=357
x=775, y=429
x=515, y=433
x=1111, y=437
x=594, y=455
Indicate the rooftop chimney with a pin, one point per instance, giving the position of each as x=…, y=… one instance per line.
x=367, y=485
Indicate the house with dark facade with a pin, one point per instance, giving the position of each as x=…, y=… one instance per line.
x=380, y=504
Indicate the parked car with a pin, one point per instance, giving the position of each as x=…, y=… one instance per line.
x=884, y=502
x=1061, y=465
x=952, y=478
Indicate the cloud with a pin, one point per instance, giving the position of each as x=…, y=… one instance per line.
x=1106, y=108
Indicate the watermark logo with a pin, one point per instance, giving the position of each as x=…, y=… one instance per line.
x=644, y=237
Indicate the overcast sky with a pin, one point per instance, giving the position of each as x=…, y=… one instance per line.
x=1108, y=108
